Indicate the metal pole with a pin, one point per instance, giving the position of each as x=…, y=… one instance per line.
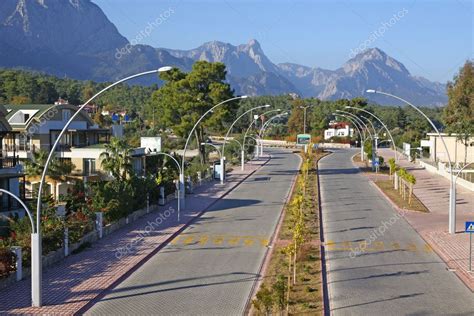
x=383, y=124
x=228, y=132
x=470, y=252
x=452, y=196
x=181, y=180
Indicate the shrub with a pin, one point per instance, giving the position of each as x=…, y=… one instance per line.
x=7, y=262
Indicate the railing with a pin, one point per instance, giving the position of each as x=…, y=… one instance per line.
x=8, y=162
x=18, y=148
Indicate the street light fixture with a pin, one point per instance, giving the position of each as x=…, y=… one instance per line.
x=262, y=130
x=360, y=128
x=36, y=252
x=381, y=122
x=181, y=180
x=253, y=122
x=242, y=154
x=304, y=117
x=452, y=190
x=180, y=172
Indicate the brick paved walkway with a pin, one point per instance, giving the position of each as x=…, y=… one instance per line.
x=81, y=278
x=433, y=191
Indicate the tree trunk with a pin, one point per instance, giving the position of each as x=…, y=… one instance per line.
x=289, y=285
x=199, y=147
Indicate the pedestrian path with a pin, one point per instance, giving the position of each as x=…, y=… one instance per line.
x=80, y=279
x=433, y=191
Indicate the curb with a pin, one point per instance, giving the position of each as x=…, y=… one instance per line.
x=139, y=264
x=437, y=250
x=269, y=251
x=322, y=251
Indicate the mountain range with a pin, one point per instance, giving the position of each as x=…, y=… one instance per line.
x=74, y=38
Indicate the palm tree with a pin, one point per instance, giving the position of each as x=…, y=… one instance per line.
x=57, y=169
x=117, y=158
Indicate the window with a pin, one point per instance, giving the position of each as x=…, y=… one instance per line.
x=66, y=114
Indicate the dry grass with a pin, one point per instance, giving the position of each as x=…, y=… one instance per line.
x=387, y=187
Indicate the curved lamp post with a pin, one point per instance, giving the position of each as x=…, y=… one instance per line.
x=180, y=172
x=262, y=130
x=382, y=123
x=227, y=135
x=359, y=120
x=360, y=128
x=452, y=190
x=36, y=264
x=374, y=138
x=220, y=156
x=251, y=124
x=181, y=178
x=34, y=242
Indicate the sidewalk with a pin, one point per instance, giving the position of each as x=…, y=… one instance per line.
x=433, y=191
x=81, y=278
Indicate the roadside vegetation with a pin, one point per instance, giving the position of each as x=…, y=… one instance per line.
x=292, y=282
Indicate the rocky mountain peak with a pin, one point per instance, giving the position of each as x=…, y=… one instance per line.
x=375, y=57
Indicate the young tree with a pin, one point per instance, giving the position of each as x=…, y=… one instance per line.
x=185, y=97
x=459, y=114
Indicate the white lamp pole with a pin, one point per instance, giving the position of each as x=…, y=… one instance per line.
x=251, y=124
x=181, y=180
x=452, y=190
x=304, y=117
x=260, y=134
x=36, y=253
x=227, y=135
x=180, y=172
x=381, y=122
x=360, y=127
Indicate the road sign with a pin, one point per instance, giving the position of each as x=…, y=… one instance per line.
x=470, y=227
x=303, y=139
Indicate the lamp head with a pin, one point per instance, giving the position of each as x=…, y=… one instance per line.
x=371, y=91
x=244, y=96
x=267, y=105
x=165, y=69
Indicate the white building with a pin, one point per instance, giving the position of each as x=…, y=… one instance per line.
x=339, y=129
x=457, y=150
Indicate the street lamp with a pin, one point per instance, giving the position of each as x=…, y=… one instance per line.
x=260, y=134
x=180, y=172
x=304, y=117
x=36, y=252
x=181, y=179
x=253, y=122
x=452, y=190
x=227, y=135
x=360, y=128
x=374, y=139
x=381, y=122
x=220, y=158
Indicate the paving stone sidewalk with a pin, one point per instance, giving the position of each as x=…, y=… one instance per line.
x=79, y=279
x=433, y=191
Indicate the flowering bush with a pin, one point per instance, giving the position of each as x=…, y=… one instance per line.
x=7, y=262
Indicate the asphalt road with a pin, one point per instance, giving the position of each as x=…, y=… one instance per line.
x=396, y=273
x=211, y=268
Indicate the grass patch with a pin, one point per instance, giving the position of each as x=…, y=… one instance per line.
x=387, y=187
x=305, y=296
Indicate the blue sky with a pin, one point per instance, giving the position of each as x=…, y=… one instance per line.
x=432, y=38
